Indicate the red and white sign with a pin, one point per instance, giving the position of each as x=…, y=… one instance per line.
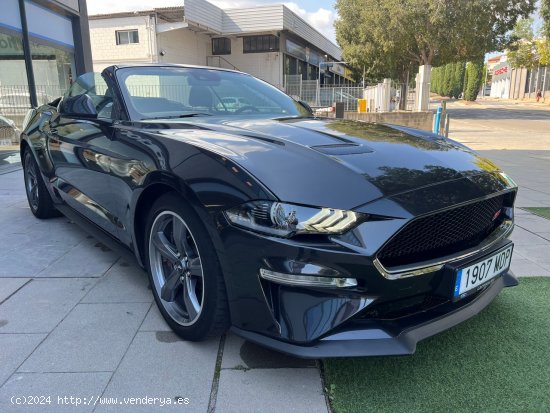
x=501, y=71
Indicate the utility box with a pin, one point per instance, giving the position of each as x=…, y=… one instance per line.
x=361, y=105
x=339, y=109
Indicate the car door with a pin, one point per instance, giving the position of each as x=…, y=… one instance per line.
x=78, y=137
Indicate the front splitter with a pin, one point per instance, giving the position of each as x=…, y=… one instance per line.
x=377, y=342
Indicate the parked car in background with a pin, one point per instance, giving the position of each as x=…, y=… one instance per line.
x=314, y=237
x=9, y=137
x=232, y=103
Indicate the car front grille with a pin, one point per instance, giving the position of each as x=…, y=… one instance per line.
x=443, y=233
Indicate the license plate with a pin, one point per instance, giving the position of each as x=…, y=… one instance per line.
x=477, y=274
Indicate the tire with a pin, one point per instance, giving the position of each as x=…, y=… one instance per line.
x=184, y=271
x=40, y=201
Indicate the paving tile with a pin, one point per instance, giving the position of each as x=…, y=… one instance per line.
x=533, y=223
x=15, y=349
x=238, y=353
x=267, y=390
x=89, y=258
x=535, y=195
x=17, y=213
x=59, y=232
x=9, y=200
x=93, y=337
x=521, y=211
x=154, y=321
x=539, y=254
x=41, y=304
x=522, y=267
x=522, y=237
x=13, y=182
x=29, y=262
x=32, y=245
x=58, y=386
x=162, y=365
x=10, y=285
x=122, y=283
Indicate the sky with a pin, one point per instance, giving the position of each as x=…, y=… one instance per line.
x=320, y=17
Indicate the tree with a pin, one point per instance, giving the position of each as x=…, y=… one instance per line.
x=390, y=37
x=458, y=79
x=523, y=49
x=425, y=31
x=543, y=44
x=543, y=51
x=474, y=72
x=545, y=14
x=448, y=80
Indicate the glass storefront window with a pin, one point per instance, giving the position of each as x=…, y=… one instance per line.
x=14, y=91
x=53, y=71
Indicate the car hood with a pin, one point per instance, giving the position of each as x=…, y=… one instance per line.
x=335, y=163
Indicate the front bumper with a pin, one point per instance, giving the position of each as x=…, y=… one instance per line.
x=377, y=340
x=379, y=316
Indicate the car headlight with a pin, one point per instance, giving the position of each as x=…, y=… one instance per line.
x=285, y=220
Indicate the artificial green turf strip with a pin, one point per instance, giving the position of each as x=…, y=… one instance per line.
x=498, y=361
x=543, y=212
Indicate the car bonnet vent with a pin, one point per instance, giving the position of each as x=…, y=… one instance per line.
x=342, y=149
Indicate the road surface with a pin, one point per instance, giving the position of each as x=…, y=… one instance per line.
x=488, y=125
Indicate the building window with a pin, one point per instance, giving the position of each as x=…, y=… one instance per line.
x=264, y=43
x=221, y=45
x=127, y=36
x=53, y=69
x=14, y=89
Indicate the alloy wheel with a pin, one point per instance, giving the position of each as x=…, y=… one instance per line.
x=31, y=182
x=176, y=268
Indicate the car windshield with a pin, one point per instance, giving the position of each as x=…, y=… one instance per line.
x=172, y=92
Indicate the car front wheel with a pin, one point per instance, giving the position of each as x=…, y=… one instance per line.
x=184, y=271
x=39, y=198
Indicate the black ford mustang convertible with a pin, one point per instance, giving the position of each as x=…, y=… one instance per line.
x=318, y=238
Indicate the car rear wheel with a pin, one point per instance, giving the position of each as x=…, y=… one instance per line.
x=39, y=198
x=184, y=271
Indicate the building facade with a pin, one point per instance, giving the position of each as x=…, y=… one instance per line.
x=44, y=45
x=269, y=42
x=508, y=82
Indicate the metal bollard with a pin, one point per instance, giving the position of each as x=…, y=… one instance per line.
x=437, y=120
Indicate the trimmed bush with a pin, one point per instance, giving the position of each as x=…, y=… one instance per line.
x=474, y=73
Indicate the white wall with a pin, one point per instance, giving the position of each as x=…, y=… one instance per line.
x=266, y=66
x=106, y=52
x=184, y=46
x=500, y=88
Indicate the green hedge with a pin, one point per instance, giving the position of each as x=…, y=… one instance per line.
x=448, y=80
x=453, y=79
x=474, y=72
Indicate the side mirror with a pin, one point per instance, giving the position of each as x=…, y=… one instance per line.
x=79, y=106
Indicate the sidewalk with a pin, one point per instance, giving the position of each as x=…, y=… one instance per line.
x=76, y=320
x=486, y=102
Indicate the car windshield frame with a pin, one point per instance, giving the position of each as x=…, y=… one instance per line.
x=172, y=101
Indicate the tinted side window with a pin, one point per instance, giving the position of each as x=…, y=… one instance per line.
x=93, y=85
